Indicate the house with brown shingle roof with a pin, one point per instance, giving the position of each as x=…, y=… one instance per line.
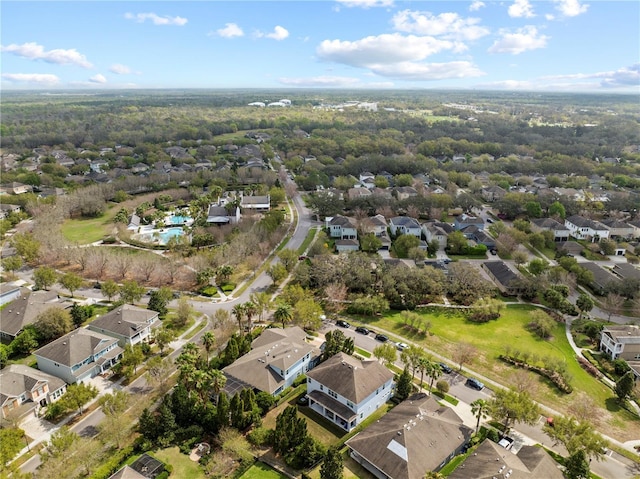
x=23, y=388
x=127, y=323
x=346, y=390
x=24, y=310
x=417, y=436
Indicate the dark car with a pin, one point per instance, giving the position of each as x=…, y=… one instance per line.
x=382, y=338
x=343, y=324
x=303, y=400
x=445, y=368
x=475, y=384
x=362, y=330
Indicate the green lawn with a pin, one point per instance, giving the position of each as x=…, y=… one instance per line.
x=449, y=328
x=262, y=471
x=89, y=230
x=183, y=467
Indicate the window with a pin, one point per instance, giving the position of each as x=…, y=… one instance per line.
x=332, y=394
x=321, y=387
x=350, y=404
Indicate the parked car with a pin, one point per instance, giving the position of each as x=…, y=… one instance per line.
x=362, y=330
x=445, y=368
x=402, y=346
x=475, y=384
x=303, y=400
x=493, y=252
x=382, y=338
x=343, y=324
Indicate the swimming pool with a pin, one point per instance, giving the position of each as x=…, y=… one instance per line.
x=161, y=236
x=179, y=219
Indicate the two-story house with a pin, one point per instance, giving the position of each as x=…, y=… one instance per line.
x=493, y=193
x=585, y=229
x=464, y=221
x=127, y=323
x=346, y=390
x=25, y=309
x=23, y=388
x=342, y=227
x=277, y=358
x=438, y=231
x=618, y=228
x=256, y=203
x=622, y=342
x=415, y=437
x=405, y=225
x=79, y=355
x=560, y=231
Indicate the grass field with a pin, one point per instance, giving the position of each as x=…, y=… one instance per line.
x=261, y=471
x=89, y=230
x=183, y=467
x=449, y=328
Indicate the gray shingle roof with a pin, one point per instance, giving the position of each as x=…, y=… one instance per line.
x=24, y=310
x=126, y=320
x=15, y=379
x=75, y=347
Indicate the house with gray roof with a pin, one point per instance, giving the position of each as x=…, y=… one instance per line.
x=415, y=437
x=586, y=229
x=437, y=230
x=342, y=227
x=601, y=277
x=218, y=215
x=622, y=342
x=405, y=225
x=618, y=228
x=127, y=323
x=277, y=358
x=9, y=292
x=25, y=309
x=256, y=203
x=79, y=355
x=493, y=193
x=626, y=271
x=491, y=460
x=346, y=390
x=507, y=280
x=23, y=388
x=464, y=220
x=560, y=231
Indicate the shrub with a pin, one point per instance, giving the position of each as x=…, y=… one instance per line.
x=227, y=287
x=107, y=468
x=208, y=291
x=620, y=367
x=442, y=386
x=260, y=436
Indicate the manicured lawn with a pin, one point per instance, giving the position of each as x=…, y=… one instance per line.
x=307, y=241
x=183, y=467
x=449, y=328
x=89, y=230
x=261, y=471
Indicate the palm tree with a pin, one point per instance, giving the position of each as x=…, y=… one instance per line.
x=412, y=356
x=434, y=371
x=238, y=312
x=208, y=340
x=218, y=381
x=262, y=302
x=283, y=313
x=250, y=310
x=422, y=365
x=480, y=409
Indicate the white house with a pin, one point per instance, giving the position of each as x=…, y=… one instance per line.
x=586, y=229
x=79, y=355
x=405, y=225
x=277, y=358
x=437, y=230
x=342, y=227
x=256, y=203
x=346, y=390
x=128, y=324
x=560, y=232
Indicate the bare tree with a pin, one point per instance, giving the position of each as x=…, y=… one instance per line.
x=99, y=260
x=612, y=304
x=464, y=354
x=146, y=267
x=122, y=263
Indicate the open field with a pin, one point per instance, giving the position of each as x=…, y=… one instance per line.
x=261, y=471
x=89, y=230
x=449, y=328
x=183, y=467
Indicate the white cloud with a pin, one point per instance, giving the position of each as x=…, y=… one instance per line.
x=230, y=30
x=279, y=33
x=99, y=78
x=320, y=81
x=509, y=85
x=382, y=49
x=447, y=25
x=37, y=78
x=623, y=77
x=33, y=51
x=366, y=3
x=570, y=8
x=119, y=69
x=476, y=5
x=427, y=71
x=522, y=40
x=156, y=19
x=521, y=8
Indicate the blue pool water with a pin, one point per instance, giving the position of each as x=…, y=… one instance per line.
x=179, y=219
x=169, y=233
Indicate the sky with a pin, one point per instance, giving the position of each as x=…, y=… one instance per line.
x=527, y=45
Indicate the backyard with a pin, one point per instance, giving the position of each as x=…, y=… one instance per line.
x=449, y=328
x=182, y=466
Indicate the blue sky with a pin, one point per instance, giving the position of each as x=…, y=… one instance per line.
x=553, y=45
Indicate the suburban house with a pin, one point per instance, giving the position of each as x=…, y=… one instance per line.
x=358, y=192
x=601, y=277
x=464, y=220
x=492, y=460
x=586, y=229
x=618, y=229
x=417, y=436
x=626, y=271
x=15, y=188
x=505, y=278
x=560, y=231
x=23, y=388
x=25, y=309
x=277, y=358
x=256, y=203
x=346, y=390
x=6, y=210
x=145, y=467
x=479, y=236
x=347, y=245
x=493, y=193
x=79, y=355
x=134, y=222
x=375, y=224
x=342, y=227
x=405, y=192
x=622, y=342
x=405, y=225
x=9, y=292
x=218, y=215
x=437, y=230
x=127, y=323
x=636, y=227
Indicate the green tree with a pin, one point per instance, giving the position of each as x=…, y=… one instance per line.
x=44, y=277
x=288, y=258
x=456, y=243
x=114, y=403
x=130, y=291
x=404, y=243
x=52, y=323
x=283, y=314
x=27, y=247
x=480, y=409
x=109, y=289
x=370, y=243
x=289, y=432
x=208, y=341
x=71, y=281
x=11, y=441
x=576, y=466
x=184, y=311
x=162, y=337
x=510, y=406
x=4, y=354
x=307, y=313
x=385, y=353
x=584, y=303
x=404, y=386
x=541, y=323
x=132, y=358
x=24, y=343
x=159, y=299
x=333, y=464
x=624, y=386
x=537, y=266
x=12, y=263
x=557, y=209
x=576, y=436
x=77, y=396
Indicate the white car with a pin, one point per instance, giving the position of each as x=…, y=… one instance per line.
x=402, y=346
